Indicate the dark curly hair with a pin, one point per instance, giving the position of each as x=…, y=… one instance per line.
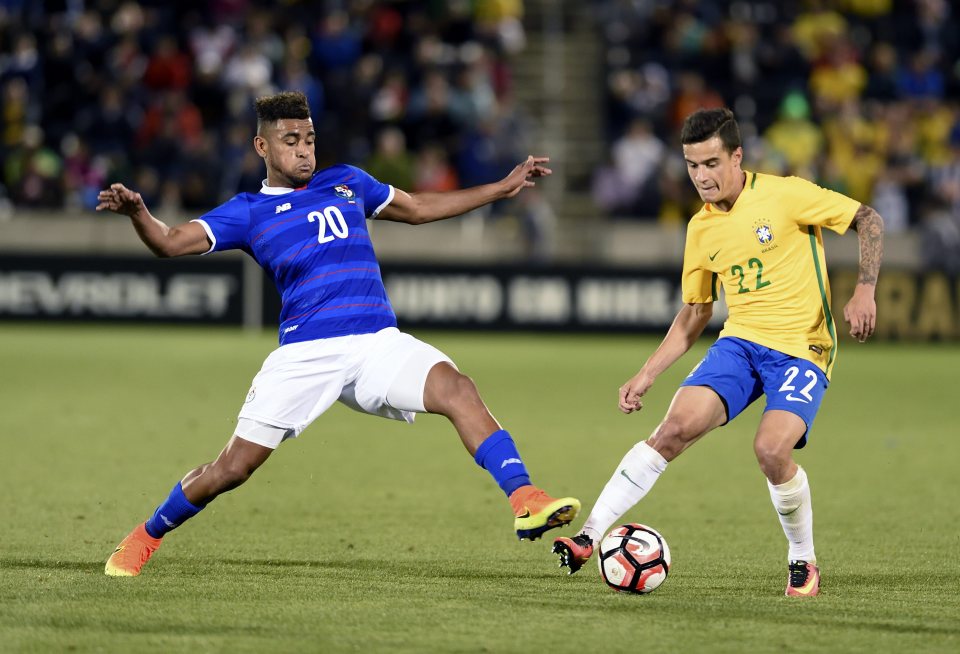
x=288, y=104
x=704, y=124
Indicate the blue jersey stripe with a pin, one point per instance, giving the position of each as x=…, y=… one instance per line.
x=299, y=248
x=346, y=278
x=302, y=306
x=348, y=308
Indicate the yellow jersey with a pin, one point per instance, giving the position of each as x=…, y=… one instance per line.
x=767, y=251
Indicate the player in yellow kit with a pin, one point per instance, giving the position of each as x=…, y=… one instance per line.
x=760, y=237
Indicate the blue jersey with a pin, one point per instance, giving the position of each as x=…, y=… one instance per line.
x=314, y=243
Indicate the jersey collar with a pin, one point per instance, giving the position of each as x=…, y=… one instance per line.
x=274, y=190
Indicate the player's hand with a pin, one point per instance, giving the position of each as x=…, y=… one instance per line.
x=631, y=392
x=119, y=199
x=520, y=177
x=861, y=312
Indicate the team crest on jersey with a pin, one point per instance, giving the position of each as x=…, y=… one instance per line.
x=764, y=233
x=345, y=192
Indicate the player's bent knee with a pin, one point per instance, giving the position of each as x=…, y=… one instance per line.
x=772, y=456
x=458, y=392
x=467, y=390
x=670, y=438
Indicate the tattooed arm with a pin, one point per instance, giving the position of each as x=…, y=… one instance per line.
x=861, y=311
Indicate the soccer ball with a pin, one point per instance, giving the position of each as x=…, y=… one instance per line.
x=634, y=558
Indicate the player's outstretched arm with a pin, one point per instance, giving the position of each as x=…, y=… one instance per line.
x=690, y=322
x=419, y=208
x=861, y=311
x=163, y=241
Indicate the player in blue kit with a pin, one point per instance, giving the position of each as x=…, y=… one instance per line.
x=338, y=333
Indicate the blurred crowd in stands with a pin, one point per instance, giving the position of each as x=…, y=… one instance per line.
x=861, y=96
x=159, y=94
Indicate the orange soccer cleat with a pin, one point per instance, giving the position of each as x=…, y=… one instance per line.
x=132, y=552
x=574, y=552
x=803, y=580
x=535, y=512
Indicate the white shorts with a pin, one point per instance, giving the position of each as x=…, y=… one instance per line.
x=382, y=374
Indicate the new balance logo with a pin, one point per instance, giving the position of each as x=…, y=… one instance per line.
x=509, y=461
x=283, y=207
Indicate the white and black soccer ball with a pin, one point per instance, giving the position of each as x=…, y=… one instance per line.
x=634, y=558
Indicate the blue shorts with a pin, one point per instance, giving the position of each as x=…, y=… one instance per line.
x=740, y=371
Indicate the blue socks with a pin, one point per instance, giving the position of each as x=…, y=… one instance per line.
x=174, y=511
x=499, y=456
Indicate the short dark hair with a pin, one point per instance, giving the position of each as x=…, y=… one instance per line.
x=704, y=124
x=287, y=104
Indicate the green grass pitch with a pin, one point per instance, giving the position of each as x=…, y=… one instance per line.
x=371, y=535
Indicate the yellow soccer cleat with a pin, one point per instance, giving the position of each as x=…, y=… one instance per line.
x=132, y=552
x=535, y=512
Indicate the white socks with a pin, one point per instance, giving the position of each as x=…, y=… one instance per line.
x=643, y=465
x=633, y=478
x=792, y=501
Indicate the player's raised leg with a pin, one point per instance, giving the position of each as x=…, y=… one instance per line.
x=198, y=488
x=695, y=410
x=779, y=431
x=449, y=393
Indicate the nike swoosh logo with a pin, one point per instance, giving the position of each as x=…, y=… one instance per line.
x=119, y=549
x=627, y=477
x=525, y=515
x=791, y=398
x=714, y=255
x=807, y=587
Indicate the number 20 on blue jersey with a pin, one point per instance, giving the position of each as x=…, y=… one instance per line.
x=332, y=218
